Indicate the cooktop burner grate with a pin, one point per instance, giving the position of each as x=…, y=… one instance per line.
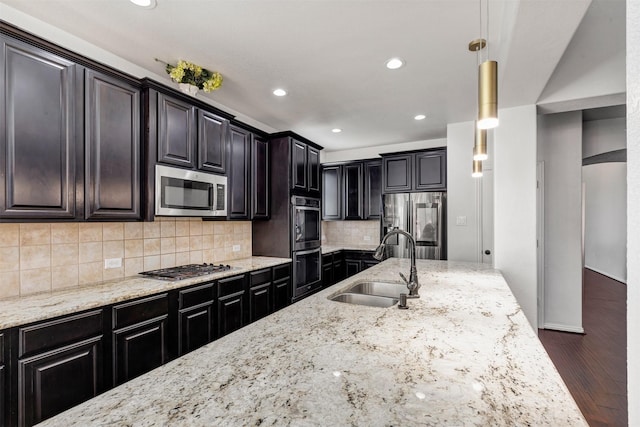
x=186, y=271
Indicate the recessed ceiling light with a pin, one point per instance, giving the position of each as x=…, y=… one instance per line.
x=395, y=63
x=279, y=92
x=148, y=4
x=420, y=117
x=336, y=130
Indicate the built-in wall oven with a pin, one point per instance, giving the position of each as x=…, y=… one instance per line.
x=307, y=267
x=306, y=223
x=306, y=241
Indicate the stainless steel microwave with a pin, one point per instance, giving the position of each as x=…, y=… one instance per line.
x=182, y=192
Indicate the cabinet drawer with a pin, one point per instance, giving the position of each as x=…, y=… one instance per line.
x=260, y=277
x=1, y=352
x=138, y=311
x=196, y=295
x=281, y=271
x=230, y=285
x=56, y=333
x=327, y=259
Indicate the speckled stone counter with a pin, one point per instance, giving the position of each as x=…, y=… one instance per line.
x=462, y=355
x=327, y=249
x=23, y=310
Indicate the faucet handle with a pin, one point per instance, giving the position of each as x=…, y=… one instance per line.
x=404, y=279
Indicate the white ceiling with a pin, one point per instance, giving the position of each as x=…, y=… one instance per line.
x=330, y=56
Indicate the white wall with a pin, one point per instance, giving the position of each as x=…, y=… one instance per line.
x=602, y=136
x=560, y=141
x=633, y=210
x=515, y=204
x=605, y=237
x=462, y=195
x=375, y=151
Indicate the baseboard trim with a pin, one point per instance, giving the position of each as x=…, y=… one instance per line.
x=611, y=276
x=564, y=328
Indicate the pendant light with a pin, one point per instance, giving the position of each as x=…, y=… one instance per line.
x=477, y=169
x=487, y=81
x=480, y=145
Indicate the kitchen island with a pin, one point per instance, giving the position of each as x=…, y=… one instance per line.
x=462, y=354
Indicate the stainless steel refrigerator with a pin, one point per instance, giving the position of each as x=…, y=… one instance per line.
x=423, y=216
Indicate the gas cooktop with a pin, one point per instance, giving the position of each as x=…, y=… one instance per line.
x=186, y=271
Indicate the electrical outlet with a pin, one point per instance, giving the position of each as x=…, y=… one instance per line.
x=112, y=263
x=236, y=248
x=461, y=220
x=367, y=238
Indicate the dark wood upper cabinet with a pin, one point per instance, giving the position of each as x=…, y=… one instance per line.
x=112, y=155
x=352, y=174
x=332, y=192
x=239, y=169
x=212, y=142
x=397, y=172
x=260, y=178
x=176, y=132
x=41, y=137
x=372, y=203
x=313, y=169
x=299, y=165
x=431, y=170
x=416, y=171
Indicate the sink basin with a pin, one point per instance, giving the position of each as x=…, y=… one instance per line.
x=383, y=289
x=362, y=299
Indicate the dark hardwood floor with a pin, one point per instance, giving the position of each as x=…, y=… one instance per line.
x=594, y=365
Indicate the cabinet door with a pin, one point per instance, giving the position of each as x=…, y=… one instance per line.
x=339, y=270
x=352, y=267
x=372, y=190
x=332, y=192
x=239, y=191
x=230, y=313
x=352, y=174
x=260, y=304
x=3, y=384
x=367, y=264
x=396, y=173
x=431, y=170
x=41, y=136
x=195, y=327
x=327, y=275
x=176, y=132
x=281, y=294
x=260, y=178
x=213, y=136
x=138, y=349
x=313, y=169
x=112, y=154
x=54, y=381
x=299, y=165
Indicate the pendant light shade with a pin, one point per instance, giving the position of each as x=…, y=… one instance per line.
x=480, y=145
x=477, y=169
x=488, y=95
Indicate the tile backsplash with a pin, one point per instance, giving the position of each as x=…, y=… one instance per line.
x=42, y=257
x=351, y=232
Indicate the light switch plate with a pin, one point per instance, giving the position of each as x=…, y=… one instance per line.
x=367, y=238
x=236, y=248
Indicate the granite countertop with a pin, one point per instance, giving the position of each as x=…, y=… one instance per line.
x=326, y=249
x=463, y=354
x=22, y=310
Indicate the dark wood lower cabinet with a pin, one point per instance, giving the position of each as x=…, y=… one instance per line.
x=195, y=317
x=139, y=337
x=4, y=391
x=352, y=267
x=59, y=365
x=260, y=294
x=232, y=313
x=52, y=382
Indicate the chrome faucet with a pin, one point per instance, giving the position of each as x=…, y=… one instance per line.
x=412, y=284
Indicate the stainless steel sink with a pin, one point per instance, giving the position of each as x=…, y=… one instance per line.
x=362, y=299
x=383, y=289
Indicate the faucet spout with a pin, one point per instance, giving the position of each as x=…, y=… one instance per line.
x=412, y=284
